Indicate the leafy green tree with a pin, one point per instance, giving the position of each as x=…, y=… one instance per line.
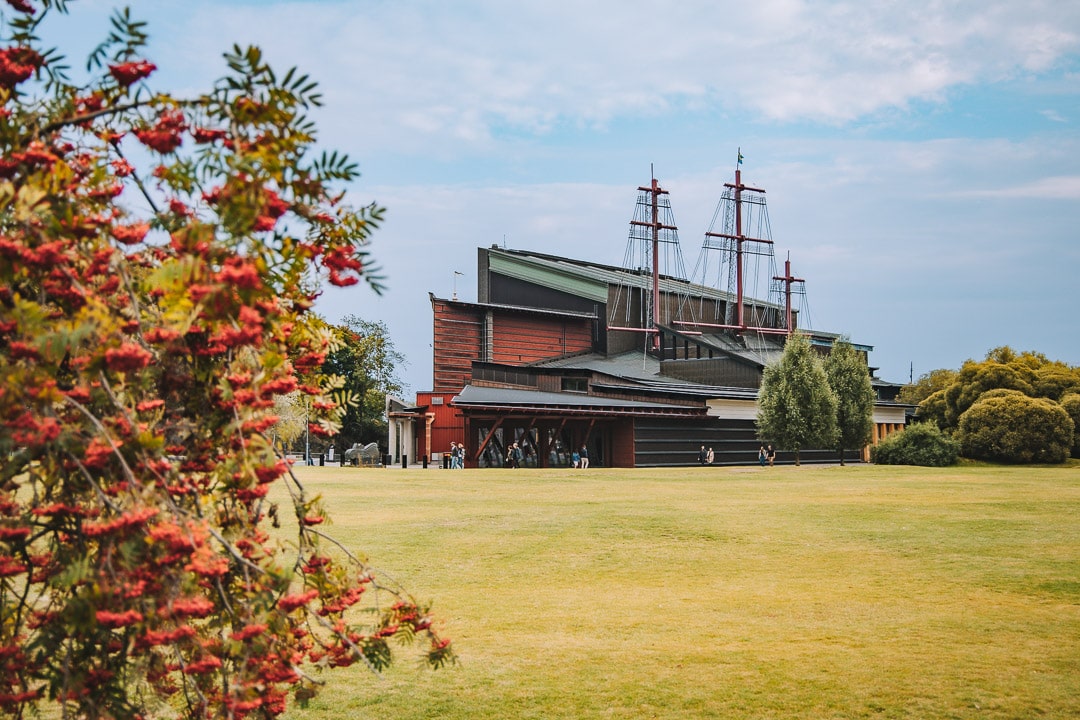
x=796, y=406
x=849, y=378
x=292, y=412
x=1054, y=380
x=934, y=409
x=1003, y=368
x=927, y=384
x=1008, y=426
x=976, y=378
x=921, y=443
x=1070, y=402
x=143, y=341
x=368, y=364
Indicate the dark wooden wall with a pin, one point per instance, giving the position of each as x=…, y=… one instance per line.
x=723, y=371
x=670, y=443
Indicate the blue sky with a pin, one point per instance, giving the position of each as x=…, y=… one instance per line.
x=922, y=159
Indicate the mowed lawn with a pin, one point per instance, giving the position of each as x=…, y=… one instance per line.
x=811, y=592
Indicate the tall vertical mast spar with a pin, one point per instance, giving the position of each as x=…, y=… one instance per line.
x=788, y=281
x=740, y=238
x=655, y=191
x=652, y=226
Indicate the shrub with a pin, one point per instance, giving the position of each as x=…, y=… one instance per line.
x=1008, y=426
x=1071, y=403
x=919, y=444
x=934, y=409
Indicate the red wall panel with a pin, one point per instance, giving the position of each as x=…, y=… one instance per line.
x=448, y=425
x=458, y=342
x=521, y=339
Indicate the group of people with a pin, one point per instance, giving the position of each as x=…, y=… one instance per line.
x=515, y=456
x=457, y=456
x=580, y=458
x=766, y=454
x=706, y=457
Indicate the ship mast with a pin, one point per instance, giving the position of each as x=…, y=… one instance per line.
x=737, y=239
x=655, y=191
x=653, y=224
x=788, y=279
x=740, y=240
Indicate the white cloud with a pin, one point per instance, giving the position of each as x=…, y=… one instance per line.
x=957, y=237
x=419, y=74
x=1065, y=187
x=1053, y=116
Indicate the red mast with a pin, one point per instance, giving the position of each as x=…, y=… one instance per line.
x=733, y=242
x=739, y=238
x=788, y=281
x=655, y=191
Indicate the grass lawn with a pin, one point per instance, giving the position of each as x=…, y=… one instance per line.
x=811, y=592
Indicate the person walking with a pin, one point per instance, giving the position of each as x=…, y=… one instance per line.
x=709, y=457
x=584, y=457
x=702, y=455
x=770, y=455
x=762, y=458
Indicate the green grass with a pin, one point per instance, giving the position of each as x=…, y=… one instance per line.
x=812, y=592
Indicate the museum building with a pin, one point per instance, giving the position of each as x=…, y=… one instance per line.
x=642, y=367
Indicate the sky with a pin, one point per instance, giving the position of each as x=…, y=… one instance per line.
x=921, y=158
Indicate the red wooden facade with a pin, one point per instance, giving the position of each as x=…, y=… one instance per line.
x=534, y=362
x=458, y=341
x=518, y=339
x=468, y=332
x=444, y=424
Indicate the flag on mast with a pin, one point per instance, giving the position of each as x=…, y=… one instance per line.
x=740, y=157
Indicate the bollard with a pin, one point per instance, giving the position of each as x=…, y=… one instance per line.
x=425, y=462
x=404, y=461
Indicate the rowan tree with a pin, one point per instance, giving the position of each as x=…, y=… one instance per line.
x=159, y=258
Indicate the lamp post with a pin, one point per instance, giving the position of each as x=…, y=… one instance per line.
x=307, y=438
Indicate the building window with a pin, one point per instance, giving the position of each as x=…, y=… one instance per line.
x=580, y=385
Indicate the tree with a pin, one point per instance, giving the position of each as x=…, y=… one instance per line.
x=934, y=409
x=796, y=407
x=368, y=363
x=927, y=384
x=849, y=379
x=158, y=258
x=1008, y=426
x=976, y=378
x=1003, y=368
x=1070, y=402
x=1054, y=380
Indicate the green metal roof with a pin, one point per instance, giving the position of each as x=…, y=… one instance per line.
x=549, y=275
x=591, y=280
